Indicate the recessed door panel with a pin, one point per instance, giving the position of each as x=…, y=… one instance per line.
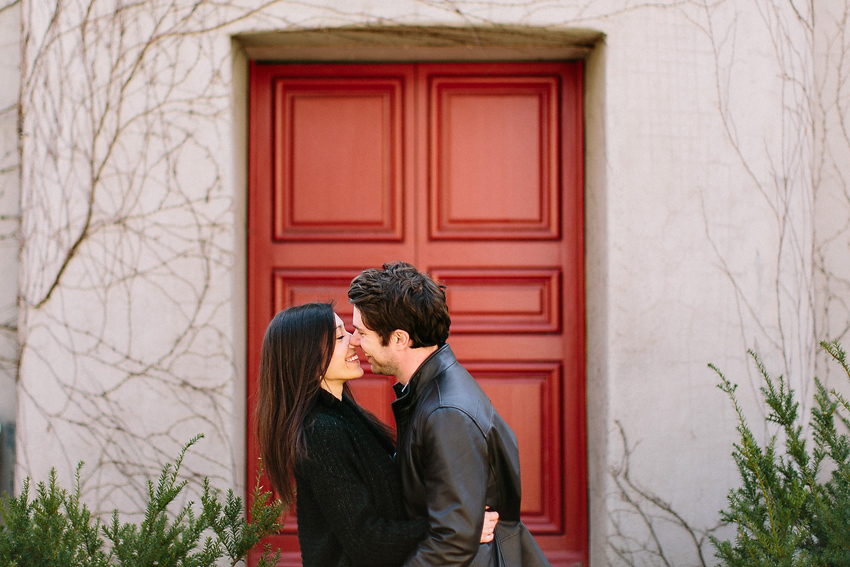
x=521, y=300
x=494, y=158
x=337, y=159
x=528, y=396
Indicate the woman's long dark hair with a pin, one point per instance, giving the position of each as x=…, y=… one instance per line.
x=296, y=352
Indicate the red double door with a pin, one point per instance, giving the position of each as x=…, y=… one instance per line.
x=472, y=172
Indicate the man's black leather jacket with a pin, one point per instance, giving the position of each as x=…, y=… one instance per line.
x=456, y=455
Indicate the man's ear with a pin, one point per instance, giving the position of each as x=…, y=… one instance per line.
x=399, y=339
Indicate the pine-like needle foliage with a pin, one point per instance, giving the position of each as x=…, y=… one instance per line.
x=793, y=506
x=56, y=529
x=52, y=529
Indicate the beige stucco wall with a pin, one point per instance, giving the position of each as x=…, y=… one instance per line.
x=10, y=73
x=701, y=208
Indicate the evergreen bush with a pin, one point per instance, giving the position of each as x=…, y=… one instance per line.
x=55, y=529
x=793, y=506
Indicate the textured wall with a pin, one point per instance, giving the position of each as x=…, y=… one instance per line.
x=128, y=246
x=10, y=73
x=705, y=176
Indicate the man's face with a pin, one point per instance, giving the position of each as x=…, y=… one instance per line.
x=382, y=358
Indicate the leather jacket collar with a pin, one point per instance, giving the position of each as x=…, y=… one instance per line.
x=439, y=360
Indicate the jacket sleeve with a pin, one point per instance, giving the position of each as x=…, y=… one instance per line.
x=339, y=489
x=456, y=472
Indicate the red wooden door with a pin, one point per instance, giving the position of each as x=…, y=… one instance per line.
x=472, y=172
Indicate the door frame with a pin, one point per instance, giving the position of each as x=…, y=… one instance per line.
x=373, y=47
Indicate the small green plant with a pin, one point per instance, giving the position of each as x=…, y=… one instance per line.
x=793, y=506
x=55, y=529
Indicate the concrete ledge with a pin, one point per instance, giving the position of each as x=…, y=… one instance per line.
x=420, y=44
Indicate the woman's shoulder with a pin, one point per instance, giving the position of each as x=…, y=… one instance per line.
x=324, y=418
x=326, y=434
x=330, y=424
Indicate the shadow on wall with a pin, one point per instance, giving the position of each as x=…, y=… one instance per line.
x=7, y=458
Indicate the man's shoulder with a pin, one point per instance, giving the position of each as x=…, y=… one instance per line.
x=455, y=389
x=455, y=381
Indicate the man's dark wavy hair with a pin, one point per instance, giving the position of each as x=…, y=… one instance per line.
x=398, y=296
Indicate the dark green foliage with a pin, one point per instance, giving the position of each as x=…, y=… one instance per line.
x=53, y=529
x=236, y=536
x=793, y=506
x=56, y=529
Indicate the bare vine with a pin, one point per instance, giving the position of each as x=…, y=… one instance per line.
x=777, y=167
x=122, y=297
x=654, y=514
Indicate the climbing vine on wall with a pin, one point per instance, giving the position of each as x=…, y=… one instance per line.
x=127, y=240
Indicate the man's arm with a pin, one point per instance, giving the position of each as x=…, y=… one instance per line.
x=454, y=454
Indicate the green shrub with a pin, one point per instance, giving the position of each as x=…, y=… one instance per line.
x=55, y=529
x=793, y=506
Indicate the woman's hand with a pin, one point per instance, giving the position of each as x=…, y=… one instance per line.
x=491, y=518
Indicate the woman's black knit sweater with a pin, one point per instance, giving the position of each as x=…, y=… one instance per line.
x=349, y=505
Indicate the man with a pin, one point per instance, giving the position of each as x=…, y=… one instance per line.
x=456, y=455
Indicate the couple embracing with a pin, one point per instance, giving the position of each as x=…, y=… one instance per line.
x=447, y=494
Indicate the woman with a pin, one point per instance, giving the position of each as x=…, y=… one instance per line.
x=349, y=507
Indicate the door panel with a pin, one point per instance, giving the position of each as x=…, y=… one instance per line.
x=502, y=301
x=527, y=395
x=471, y=172
x=493, y=156
x=329, y=132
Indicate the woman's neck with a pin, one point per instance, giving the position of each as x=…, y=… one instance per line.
x=335, y=388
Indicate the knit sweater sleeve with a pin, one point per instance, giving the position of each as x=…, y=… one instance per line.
x=338, y=485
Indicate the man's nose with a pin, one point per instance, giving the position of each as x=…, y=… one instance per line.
x=355, y=338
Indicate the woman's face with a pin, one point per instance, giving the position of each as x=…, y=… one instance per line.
x=345, y=365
